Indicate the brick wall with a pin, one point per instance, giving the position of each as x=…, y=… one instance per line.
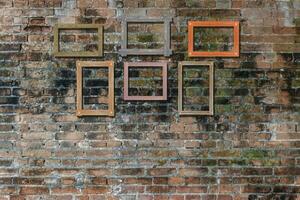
x=248, y=150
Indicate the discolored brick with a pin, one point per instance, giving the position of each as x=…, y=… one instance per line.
x=247, y=150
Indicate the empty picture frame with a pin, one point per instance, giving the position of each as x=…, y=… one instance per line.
x=59, y=27
x=95, y=64
x=180, y=87
x=163, y=65
x=124, y=51
x=235, y=52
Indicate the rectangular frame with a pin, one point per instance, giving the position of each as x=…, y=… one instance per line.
x=211, y=87
x=124, y=51
x=58, y=53
x=164, y=66
x=217, y=24
x=111, y=106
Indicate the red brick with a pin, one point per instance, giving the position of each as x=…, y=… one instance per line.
x=287, y=170
x=147, y=151
x=65, y=190
x=96, y=190
x=191, y=189
x=133, y=171
x=33, y=190
x=193, y=171
x=138, y=181
x=176, y=181
x=160, y=189
x=100, y=172
x=256, y=189
x=161, y=171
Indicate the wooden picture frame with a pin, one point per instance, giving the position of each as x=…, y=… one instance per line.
x=111, y=106
x=214, y=24
x=124, y=51
x=163, y=65
x=58, y=53
x=180, y=87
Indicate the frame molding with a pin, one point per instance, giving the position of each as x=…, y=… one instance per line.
x=164, y=66
x=58, y=53
x=124, y=51
x=217, y=24
x=211, y=87
x=111, y=106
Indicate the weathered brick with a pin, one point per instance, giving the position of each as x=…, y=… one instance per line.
x=256, y=189
x=284, y=170
x=33, y=190
x=10, y=47
x=254, y=171
x=69, y=136
x=100, y=172
x=193, y=171
x=247, y=150
x=37, y=20
x=95, y=190
x=160, y=189
x=130, y=171
x=161, y=172
x=9, y=100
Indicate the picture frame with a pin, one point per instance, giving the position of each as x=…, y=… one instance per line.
x=92, y=64
x=208, y=64
x=235, y=52
x=163, y=65
x=58, y=53
x=124, y=51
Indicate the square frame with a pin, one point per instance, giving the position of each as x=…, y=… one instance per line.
x=124, y=51
x=211, y=87
x=111, y=106
x=214, y=24
x=58, y=53
x=164, y=66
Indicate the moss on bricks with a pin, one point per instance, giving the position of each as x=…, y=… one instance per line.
x=145, y=38
x=255, y=154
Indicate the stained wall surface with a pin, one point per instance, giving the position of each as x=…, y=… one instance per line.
x=249, y=149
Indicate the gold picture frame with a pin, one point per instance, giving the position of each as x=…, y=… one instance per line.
x=211, y=87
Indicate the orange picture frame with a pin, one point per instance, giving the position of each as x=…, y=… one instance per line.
x=235, y=52
x=111, y=106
